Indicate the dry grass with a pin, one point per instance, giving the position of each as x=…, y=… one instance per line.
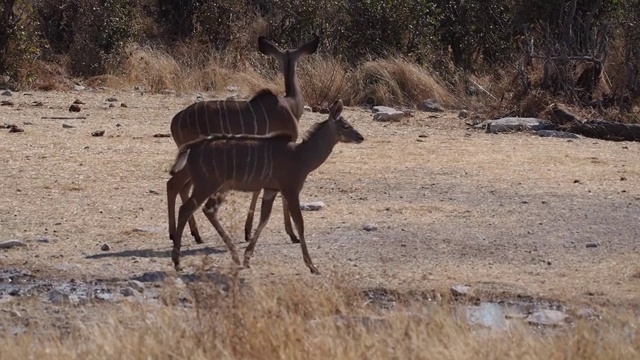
x=308, y=319
x=323, y=79
x=156, y=70
x=397, y=81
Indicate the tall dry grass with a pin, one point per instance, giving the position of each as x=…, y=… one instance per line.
x=310, y=318
x=397, y=81
x=157, y=70
x=323, y=79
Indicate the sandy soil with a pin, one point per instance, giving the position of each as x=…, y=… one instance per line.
x=510, y=215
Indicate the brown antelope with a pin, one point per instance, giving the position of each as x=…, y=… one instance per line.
x=263, y=114
x=221, y=163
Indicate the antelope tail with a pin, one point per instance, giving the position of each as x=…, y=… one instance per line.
x=181, y=160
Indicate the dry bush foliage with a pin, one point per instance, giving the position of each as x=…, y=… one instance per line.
x=310, y=319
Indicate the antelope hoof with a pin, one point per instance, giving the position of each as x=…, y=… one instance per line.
x=247, y=236
x=294, y=239
x=314, y=270
x=197, y=238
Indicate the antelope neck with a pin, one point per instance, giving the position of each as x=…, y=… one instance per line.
x=316, y=146
x=292, y=91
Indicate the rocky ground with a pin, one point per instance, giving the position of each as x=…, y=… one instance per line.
x=534, y=228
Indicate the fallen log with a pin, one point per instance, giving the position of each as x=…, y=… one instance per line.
x=607, y=130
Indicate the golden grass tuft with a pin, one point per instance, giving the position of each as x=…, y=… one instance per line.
x=157, y=70
x=397, y=81
x=311, y=318
x=324, y=79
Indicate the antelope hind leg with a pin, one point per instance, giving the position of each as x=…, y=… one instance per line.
x=211, y=212
x=249, y=222
x=287, y=222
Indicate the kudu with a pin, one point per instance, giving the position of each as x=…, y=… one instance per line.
x=222, y=163
x=263, y=114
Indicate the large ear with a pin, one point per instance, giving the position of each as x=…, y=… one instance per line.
x=336, y=109
x=308, y=48
x=268, y=48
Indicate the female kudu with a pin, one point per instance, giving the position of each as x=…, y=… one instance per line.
x=221, y=163
x=263, y=114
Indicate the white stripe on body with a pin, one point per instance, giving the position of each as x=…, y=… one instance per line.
x=241, y=114
x=266, y=118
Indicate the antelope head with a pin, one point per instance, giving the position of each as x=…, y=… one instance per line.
x=346, y=132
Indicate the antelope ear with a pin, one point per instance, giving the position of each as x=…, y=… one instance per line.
x=336, y=109
x=310, y=47
x=268, y=48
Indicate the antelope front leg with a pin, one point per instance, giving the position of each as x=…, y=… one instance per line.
x=249, y=222
x=211, y=212
x=265, y=212
x=293, y=201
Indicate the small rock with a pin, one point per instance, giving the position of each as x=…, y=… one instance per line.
x=37, y=103
x=43, y=239
x=6, y=103
x=136, y=285
x=320, y=109
x=463, y=114
x=15, y=129
x=104, y=295
x=587, y=313
x=65, y=126
x=430, y=105
x=161, y=135
x=514, y=124
x=370, y=227
x=312, y=206
x=57, y=297
x=232, y=88
x=547, y=317
x=74, y=108
x=11, y=244
x=27, y=123
x=307, y=108
x=78, y=102
x=167, y=92
x=111, y=105
x=385, y=114
x=112, y=99
x=489, y=315
x=592, y=245
x=78, y=87
x=97, y=133
x=123, y=105
x=557, y=134
x=105, y=247
x=128, y=292
x=460, y=290
x=152, y=276
x=7, y=93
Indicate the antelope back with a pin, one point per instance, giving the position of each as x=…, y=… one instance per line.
x=263, y=114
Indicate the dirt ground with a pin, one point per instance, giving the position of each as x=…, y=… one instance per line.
x=508, y=214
